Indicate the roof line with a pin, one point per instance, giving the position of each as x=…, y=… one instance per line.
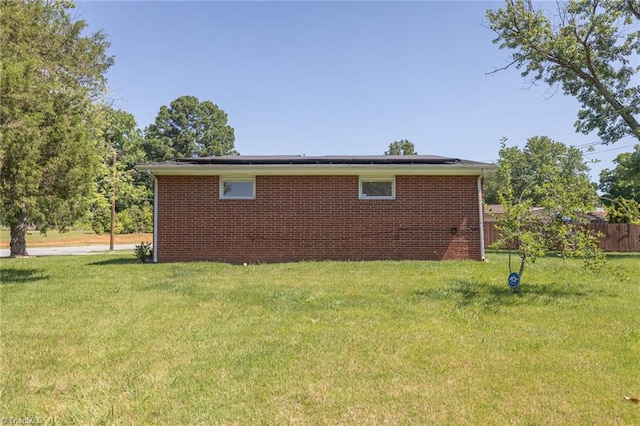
x=289, y=159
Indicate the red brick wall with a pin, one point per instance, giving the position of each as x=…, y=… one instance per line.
x=317, y=217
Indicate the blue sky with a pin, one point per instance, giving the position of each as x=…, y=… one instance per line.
x=334, y=78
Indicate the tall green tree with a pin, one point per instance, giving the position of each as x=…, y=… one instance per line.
x=624, y=180
x=623, y=210
x=401, y=147
x=52, y=76
x=189, y=128
x=621, y=188
x=121, y=149
x=588, y=48
x=533, y=168
x=491, y=187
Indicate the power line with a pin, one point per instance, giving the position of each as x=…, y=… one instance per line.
x=607, y=150
x=588, y=145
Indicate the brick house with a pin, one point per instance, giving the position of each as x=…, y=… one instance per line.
x=288, y=208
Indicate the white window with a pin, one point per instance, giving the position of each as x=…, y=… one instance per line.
x=237, y=189
x=377, y=189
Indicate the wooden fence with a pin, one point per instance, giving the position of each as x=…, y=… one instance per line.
x=618, y=237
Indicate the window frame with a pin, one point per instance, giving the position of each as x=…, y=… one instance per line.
x=363, y=196
x=223, y=180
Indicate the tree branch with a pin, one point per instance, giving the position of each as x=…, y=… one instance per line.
x=502, y=68
x=634, y=8
x=591, y=28
x=609, y=97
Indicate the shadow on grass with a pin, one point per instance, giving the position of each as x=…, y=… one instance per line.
x=20, y=276
x=614, y=256
x=118, y=261
x=547, y=290
x=467, y=293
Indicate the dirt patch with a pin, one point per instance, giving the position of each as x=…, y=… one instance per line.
x=95, y=240
x=86, y=240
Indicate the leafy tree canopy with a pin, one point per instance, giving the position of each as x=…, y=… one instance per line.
x=52, y=77
x=121, y=149
x=623, y=210
x=401, y=147
x=120, y=133
x=491, y=187
x=624, y=180
x=588, y=48
x=621, y=188
x=189, y=128
x=536, y=168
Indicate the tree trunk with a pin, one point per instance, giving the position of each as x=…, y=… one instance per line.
x=18, y=242
x=523, y=261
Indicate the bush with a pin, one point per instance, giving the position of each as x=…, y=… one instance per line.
x=134, y=219
x=144, y=252
x=100, y=218
x=141, y=218
x=130, y=220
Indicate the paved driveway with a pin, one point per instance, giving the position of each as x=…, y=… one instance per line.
x=65, y=251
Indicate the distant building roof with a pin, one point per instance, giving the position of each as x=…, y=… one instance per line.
x=493, y=211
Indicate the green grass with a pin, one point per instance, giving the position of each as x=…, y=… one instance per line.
x=35, y=237
x=103, y=340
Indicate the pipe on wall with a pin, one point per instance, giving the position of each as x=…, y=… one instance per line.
x=481, y=213
x=155, y=219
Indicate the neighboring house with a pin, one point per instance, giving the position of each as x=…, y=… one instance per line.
x=599, y=215
x=493, y=211
x=249, y=209
x=615, y=237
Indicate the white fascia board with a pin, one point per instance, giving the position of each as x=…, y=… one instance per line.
x=378, y=170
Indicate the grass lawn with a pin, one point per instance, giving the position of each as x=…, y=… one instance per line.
x=73, y=237
x=102, y=339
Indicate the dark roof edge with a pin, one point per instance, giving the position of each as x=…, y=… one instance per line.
x=290, y=159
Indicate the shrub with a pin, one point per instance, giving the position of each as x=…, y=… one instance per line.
x=141, y=218
x=144, y=252
x=134, y=219
x=100, y=217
